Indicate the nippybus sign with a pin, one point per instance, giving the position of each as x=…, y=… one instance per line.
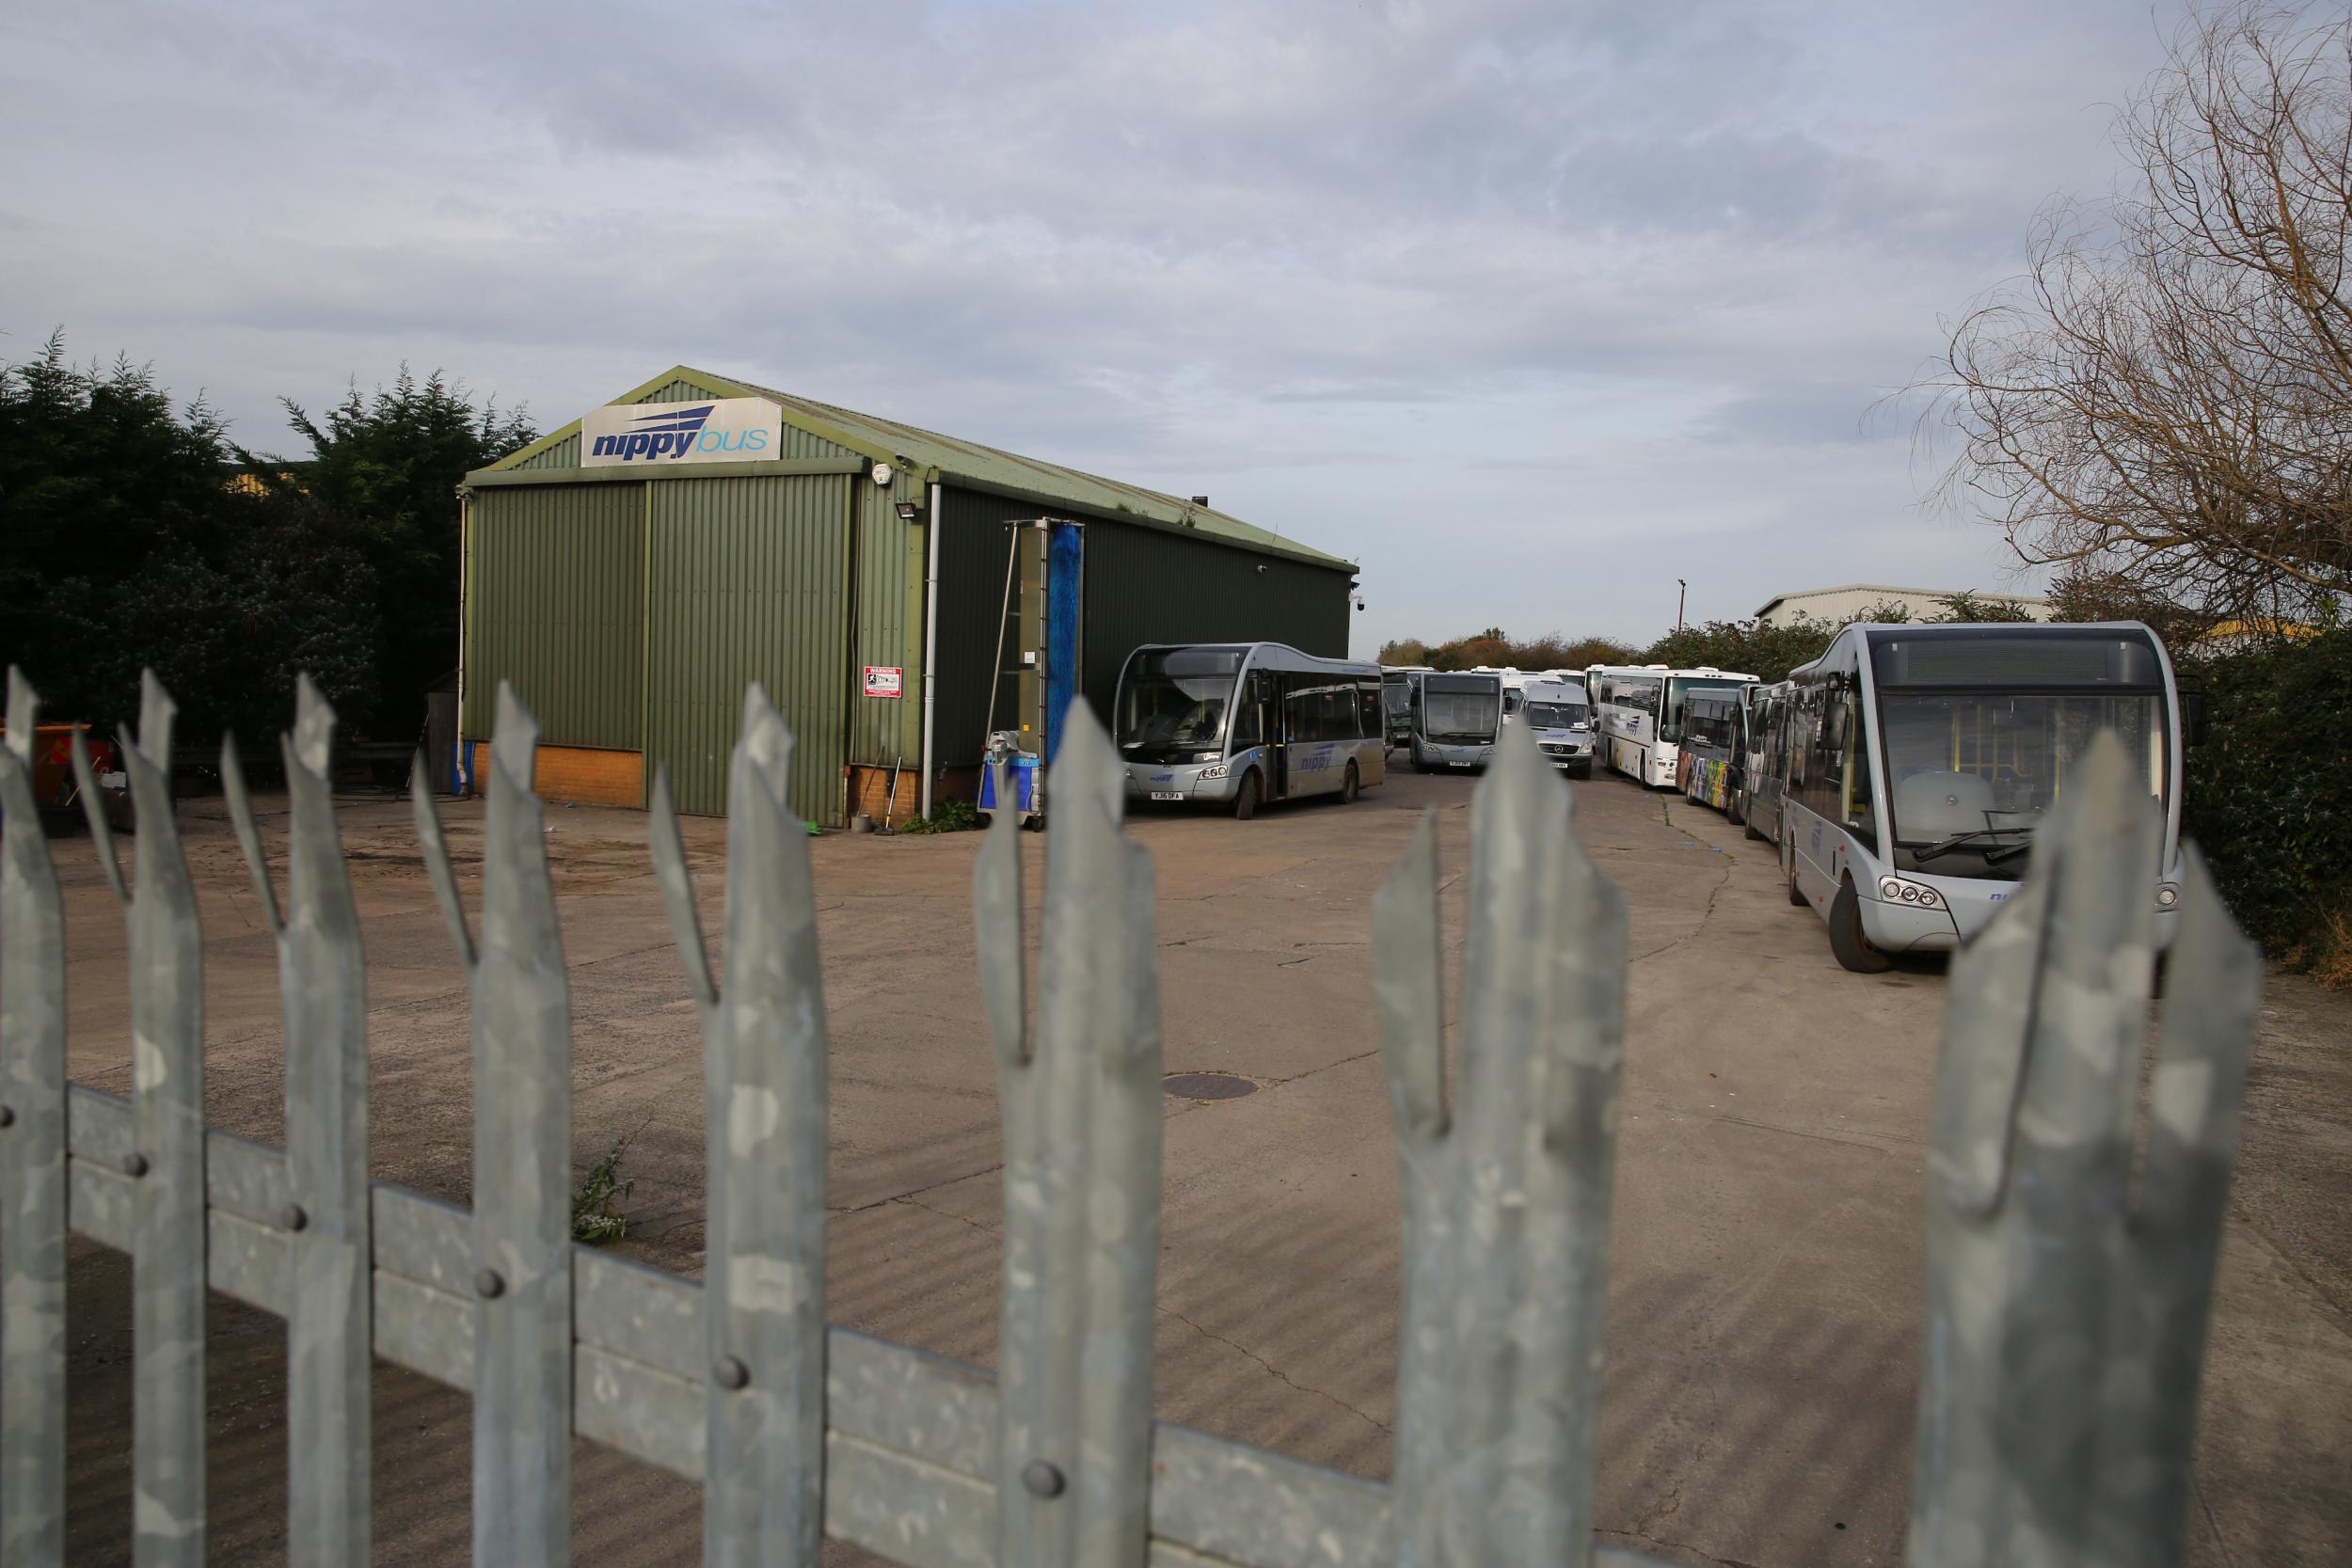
x=719, y=430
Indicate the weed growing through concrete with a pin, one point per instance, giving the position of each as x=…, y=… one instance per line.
x=593, y=1218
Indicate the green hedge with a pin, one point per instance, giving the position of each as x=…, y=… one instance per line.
x=2270, y=786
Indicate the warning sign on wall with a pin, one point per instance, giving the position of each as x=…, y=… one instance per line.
x=885, y=680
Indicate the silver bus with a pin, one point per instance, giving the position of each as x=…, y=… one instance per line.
x=1917, y=762
x=1756, y=793
x=1639, y=712
x=1456, y=716
x=1238, y=724
x=1396, y=702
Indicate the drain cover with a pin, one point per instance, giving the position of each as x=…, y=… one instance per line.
x=1207, y=1086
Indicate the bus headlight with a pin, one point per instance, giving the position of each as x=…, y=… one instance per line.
x=2166, y=896
x=1219, y=771
x=1895, y=890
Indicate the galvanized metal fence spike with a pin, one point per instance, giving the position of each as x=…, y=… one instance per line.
x=764, y=1301
x=2147, y=1440
x=999, y=935
x=169, y=1210
x=94, y=813
x=1081, y=1193
x=434, y=847
x=249, y=837
x=32, y=1162
x=522, y=1412
x=329, y=1313
x=676, y=883
x=2058, y=1369
x=1408, y=990
x=1506, y=1202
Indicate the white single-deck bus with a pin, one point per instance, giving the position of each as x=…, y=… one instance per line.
x=1638, y=711
x=1918, y=760
x=1241, y=724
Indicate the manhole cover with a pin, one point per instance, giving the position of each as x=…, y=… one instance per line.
x=1207, y=1086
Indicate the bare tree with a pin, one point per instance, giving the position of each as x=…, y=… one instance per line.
x=2166, y=396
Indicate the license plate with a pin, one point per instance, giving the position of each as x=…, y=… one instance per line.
x=1168, y=794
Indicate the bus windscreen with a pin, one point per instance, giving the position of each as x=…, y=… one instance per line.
x=1465, y=711
x=1173, y=701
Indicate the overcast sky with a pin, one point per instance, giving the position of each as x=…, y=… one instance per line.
x=1533, y=308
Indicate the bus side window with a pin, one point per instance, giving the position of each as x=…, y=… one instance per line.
x=1368, y=717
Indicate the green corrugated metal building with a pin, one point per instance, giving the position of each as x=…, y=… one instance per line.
x=631, y=600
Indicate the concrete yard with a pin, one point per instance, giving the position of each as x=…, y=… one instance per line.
x=1757, y=1407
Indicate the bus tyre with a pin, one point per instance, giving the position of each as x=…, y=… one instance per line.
x=1796, y=893
x=1747, y=825
x=1732, y=813
x=1347, y=787
x=1246, y=799
x=1853, y=949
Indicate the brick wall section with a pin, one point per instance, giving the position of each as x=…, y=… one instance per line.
x=591, y=777
x=870, y=792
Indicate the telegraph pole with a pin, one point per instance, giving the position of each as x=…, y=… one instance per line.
x=1680, y=600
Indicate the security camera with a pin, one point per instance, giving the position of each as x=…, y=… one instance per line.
x=1262, y=568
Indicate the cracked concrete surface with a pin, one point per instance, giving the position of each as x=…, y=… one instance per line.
x=1764, y=1299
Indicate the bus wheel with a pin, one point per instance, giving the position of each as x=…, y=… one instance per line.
x=1747, y=825
x=1846, y=940
x=1246, y=799
x=1796, y=893
x=1732, y=813
x=1347, y=787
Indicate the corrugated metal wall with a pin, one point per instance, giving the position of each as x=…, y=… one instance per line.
x=749, y=581
x=556, y=603
x=889, y=632
x=972, y=545
x=1142, y=585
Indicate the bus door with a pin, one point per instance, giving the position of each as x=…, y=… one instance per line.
x=1268, y=691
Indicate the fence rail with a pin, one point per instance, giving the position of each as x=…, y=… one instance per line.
x=2066, y=1300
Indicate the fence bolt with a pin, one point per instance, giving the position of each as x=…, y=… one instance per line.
x=292, y=1217
x=7, y=1115
x=487, y=1284
x=135, y=1165
x=1043, y=1477
x=728, y=1371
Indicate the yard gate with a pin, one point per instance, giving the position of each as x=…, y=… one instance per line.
x=2070, y=1254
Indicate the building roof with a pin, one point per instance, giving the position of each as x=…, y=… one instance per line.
x=1890, y=592
x=971, y=466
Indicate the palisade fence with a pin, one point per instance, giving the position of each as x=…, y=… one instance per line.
x=2068, y=1271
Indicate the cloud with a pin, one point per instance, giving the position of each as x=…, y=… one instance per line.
x=1533, y=305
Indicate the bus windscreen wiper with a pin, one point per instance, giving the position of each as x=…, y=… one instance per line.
x=1961, y=841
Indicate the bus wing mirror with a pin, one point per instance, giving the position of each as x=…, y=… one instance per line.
x=2193, y=718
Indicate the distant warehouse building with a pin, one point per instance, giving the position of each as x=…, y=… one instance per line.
x=1843, y=603
x=633, y=572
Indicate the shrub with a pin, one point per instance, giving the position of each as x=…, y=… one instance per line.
x=2270, y=792
x=948, y=817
